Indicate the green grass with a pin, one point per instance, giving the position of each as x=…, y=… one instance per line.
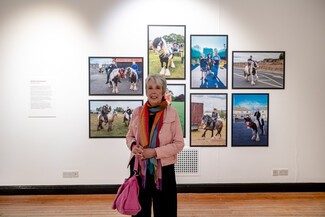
x=155, y=67
x=119, y=129
x=179, y=106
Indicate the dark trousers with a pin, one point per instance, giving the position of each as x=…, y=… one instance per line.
x=164, y=201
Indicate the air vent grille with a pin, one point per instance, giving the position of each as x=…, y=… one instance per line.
x=188, y=162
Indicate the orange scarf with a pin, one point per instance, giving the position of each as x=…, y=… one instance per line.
x=151, y=140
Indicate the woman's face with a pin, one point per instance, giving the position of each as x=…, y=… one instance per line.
x=154, y=93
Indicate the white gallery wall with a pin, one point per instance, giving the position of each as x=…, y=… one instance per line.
x=53, y=40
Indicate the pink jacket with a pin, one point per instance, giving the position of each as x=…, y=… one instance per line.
x=170, y=135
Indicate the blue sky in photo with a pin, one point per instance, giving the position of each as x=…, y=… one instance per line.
x=212, y=41
x=159, y=31
x=250, y=101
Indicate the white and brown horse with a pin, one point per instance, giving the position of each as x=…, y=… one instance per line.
x=115, y=77
x=165, y=55
x=133, y=76
x=106, y=117
x=251, y=70
x=254, y=127
x=127, y=117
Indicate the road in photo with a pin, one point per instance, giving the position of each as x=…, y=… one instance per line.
x=242, y=135
x=98, y=85
x=211, y=81
x=265, y=79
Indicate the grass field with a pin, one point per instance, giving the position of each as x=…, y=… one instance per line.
x=179, y=106
x=119, y=129
x=155, y=66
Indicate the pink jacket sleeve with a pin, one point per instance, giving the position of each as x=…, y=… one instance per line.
x=170, y=136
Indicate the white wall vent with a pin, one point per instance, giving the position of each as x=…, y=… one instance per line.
x=187, y=162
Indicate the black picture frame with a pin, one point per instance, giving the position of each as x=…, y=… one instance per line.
x=178, y=96
x=255, y=130
x=172, y=41
x=100, y=67
x=202, y=105
x=270, y=70
x=119, y=126
x=209, y=61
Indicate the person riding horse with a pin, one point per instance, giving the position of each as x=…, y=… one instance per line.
x=250, y=61
x=212, y=124
x=250, y=70
x=109, y=69
x=215, y=116
x=105, y=110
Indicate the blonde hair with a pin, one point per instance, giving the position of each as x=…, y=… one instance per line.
x=158, y=79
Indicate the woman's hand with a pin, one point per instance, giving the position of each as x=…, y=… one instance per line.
x=149, y=153
x=137, y=150
x=143, y=153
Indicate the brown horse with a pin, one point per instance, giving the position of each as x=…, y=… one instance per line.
x=106, y=117
x=212, y=125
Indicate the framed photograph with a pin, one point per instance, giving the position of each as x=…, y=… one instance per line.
x=208, y=120
x=258, y=69
x=250, y=119
x=175, y=96
x=166, y=50
x=116, y=76
x=209, y=61
x=110, y=118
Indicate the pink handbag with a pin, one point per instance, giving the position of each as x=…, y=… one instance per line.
x=127, y=198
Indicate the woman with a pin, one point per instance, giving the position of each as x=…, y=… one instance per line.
x=158, y=129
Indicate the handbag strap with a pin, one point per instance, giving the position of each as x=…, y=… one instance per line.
x=136, y=165
x=136, y=160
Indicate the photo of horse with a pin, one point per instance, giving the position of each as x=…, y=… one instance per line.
x=175, y=96
x=209, y=61
x=208, y=120
x=166, y=50
x=258, y=69
x=116, y=76
x=110, y=118
x=250, y=119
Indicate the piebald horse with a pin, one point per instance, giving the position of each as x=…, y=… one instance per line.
x=252, y=72
x=107, y=117
x=115, y=77
x=127, y=117
x=253, y=126
x=165, y=55
x=133, y=75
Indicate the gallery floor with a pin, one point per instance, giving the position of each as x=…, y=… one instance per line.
x=190, y=205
